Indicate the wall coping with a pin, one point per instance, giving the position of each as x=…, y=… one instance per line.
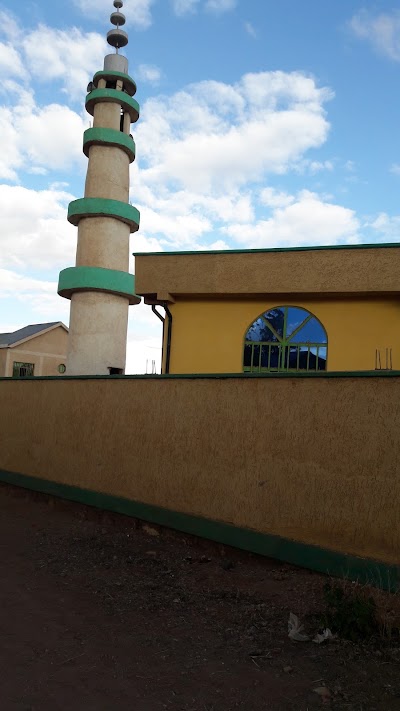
x=372, y=245
x=218, y=376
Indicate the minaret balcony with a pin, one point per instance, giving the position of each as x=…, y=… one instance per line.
x=110, y=281
x=111, y=75
x=102, y=207
x=115, y=96
x=109, y=137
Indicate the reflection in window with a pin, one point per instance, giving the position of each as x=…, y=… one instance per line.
x=284, y=339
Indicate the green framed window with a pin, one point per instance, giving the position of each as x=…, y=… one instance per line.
x=22, y=370
x=285, y=339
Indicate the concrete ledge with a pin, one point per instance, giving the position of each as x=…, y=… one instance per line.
x=129, y=83
x=114, y=96
x=109, y=137
x=75, y=279
x=325, y=561
x=222, y=376
x=101, y=207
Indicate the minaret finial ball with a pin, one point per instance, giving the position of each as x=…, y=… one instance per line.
x=117, y=38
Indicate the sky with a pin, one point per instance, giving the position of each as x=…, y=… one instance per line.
x=264, y=123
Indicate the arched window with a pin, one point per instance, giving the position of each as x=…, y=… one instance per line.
x=284, y=339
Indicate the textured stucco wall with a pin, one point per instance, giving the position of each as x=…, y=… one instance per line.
x=208, y=335
x=323, y=271
x=311, y=459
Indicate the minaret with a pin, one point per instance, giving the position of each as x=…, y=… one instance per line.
x=100, y=286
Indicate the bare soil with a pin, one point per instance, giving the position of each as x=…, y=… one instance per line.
x=101, y=612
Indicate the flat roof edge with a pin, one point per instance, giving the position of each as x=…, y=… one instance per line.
x=374, y=245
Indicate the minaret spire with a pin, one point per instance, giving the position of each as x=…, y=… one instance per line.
x=100, y=286
x=117, y=38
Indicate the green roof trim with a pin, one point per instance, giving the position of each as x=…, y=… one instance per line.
x=305, y=555
x=109, y=137
x=75, y=279
x=382, y=245
x=102, y=207
x=114, y=96
x=129, y=83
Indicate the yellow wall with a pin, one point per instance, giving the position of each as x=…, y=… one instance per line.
x=208, y=335
x=46, y=352
x=310, y=459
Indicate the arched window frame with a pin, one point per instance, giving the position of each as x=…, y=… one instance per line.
x=284, y=344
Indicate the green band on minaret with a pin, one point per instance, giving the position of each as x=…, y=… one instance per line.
x=100, y=207
x=109, y=137
x=110, y=75
x=114, y=96
x=111, y=281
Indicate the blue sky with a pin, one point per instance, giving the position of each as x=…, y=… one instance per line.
x=263, y=124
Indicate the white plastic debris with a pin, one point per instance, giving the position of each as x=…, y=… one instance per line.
x=324, y=693
x=295, y=629
x=323, y=636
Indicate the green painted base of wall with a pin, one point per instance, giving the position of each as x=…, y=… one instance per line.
x=322, y=560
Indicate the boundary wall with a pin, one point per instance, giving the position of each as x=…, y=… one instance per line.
x=303, y=468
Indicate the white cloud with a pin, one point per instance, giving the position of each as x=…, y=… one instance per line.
x=35, y=232
x=250, y=29
x=18, y=285
x=37, y=139
x=316, y=166
x=188, y=7
x=184, y=7
x=10, y=61
x=71, y=56
x=386, y=227
x=306, y=221
x=220, y=6
x=214, y=137
x=40, y=296
x=149, y=73
x=350, y=166
x=395, y=168
x=137, y=11
x=275, y=198
x=52, y=136
x=382, y=31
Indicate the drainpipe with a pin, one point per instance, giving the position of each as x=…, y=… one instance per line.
x=169, y=334
x=162, y=319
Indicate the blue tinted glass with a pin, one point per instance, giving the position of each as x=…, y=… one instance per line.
x=275, y=357
x=256, y=357
x=259, y=331
x=322, y=359
x=312, y=332
x=295, y=318
x=276, y=318
x=264, y=356
x=247, y=356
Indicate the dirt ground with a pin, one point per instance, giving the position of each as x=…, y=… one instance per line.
x=101, y=612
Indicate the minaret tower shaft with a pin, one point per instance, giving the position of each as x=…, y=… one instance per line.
x=100, y=286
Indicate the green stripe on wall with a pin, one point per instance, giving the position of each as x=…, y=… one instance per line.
x=109, y=137
x=307, y=556
x=103, y=207
x=111, y=281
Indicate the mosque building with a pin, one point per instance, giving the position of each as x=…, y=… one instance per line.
x=299, y=310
